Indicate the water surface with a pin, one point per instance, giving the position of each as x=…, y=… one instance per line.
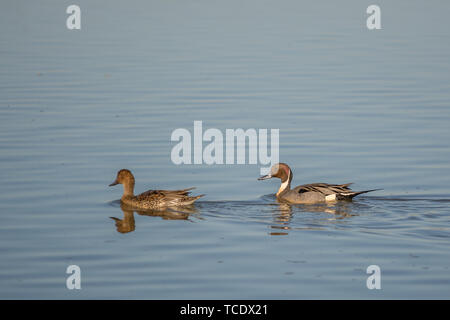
x=352, y=105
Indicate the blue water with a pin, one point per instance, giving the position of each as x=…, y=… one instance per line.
x=352, y=105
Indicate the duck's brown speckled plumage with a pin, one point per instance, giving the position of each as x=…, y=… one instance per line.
x=308, y=193
x=151, y=199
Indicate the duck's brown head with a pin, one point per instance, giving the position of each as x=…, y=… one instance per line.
x=124, y=177
x=279, y=170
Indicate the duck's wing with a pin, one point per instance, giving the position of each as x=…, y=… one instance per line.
x=331, y=191
x=324, y=188
x=156, y=193
x=169, y=197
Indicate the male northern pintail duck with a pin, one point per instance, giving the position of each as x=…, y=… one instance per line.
x=308, y=193
x=151, y=199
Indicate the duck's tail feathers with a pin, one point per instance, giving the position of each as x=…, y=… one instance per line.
x=188, y=189
x=351, y=195
x=185, y=200
x=184, y=192
x=191, y=200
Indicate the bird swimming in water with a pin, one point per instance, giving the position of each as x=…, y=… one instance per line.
x=308, y=193
x=151, y=199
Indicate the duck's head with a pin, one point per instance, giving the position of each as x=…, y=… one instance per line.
x=279, y=170
x=124, y=177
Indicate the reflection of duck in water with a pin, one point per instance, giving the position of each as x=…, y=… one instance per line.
x=308, y=193
x=174, y=213
x=282, y=215
x=151, y=199
x=127, y=224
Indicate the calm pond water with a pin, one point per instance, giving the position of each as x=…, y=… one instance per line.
x=352, y=105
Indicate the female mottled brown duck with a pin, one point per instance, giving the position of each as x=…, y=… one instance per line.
x=151, y=199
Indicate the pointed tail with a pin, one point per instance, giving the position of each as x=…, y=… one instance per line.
x=351, y=195
x=191, y=200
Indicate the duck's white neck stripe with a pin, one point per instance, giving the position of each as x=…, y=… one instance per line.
x=285, y=184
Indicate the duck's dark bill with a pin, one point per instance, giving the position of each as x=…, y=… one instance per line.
x=113, y=184
x=267, y=176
